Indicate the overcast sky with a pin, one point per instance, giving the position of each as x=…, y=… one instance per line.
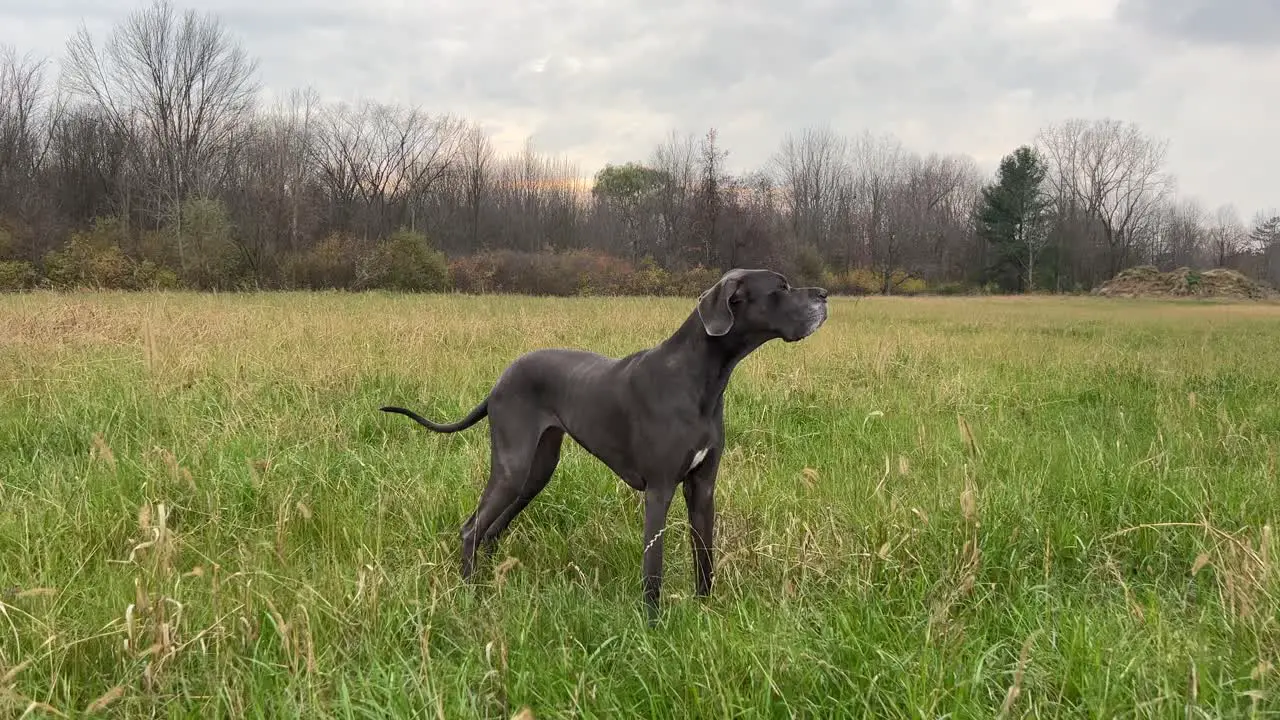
x=604, y=80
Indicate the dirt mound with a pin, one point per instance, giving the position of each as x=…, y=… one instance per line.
x=1147, y=281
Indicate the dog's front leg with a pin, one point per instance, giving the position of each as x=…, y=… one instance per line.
x=699, y=498
x=657, y=501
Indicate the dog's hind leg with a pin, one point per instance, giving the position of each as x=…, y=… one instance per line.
x=513, y=447
x=544, y=464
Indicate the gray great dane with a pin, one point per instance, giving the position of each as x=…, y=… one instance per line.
x=655, y=417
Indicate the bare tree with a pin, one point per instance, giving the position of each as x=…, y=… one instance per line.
x=709, y=200
x=379, y=177
x=676, y=159
x=878, y=168
x=273, y=181
x=87, y=166
x=296, y=137
x=1226, y=235
x=342, y=148
x=940, y=192
x=427, y=149
x=29, y=114
x=1114, y=173
x=379, y=162
x=1182, y=235
x=539, y=201
x=181, y=83
x=812, y=171
x=555, y=188
x=917, y=213
x=476, y=166
x=272, y=194
x=23, y=92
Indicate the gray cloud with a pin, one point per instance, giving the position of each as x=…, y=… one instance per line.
x=1229, y=22
x=605, y=81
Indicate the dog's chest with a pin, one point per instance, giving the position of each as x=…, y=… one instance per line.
x=698, y=457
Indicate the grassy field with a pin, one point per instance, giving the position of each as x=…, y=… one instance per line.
x=932, y=508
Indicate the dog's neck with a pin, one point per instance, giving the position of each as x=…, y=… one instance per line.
x=713, y=358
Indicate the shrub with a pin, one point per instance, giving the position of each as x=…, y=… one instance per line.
x=148, y=275
x=158, y=247
x=597, y=273
x=859, y=281
x=91, y=259
x=649, y=279
x=809, y=268
x=865, y=281
x=17, y=275
x=211, y=256
x=902, y=283
x=692, y=282
x=577, y=272
x=330, y=264
x=473, y=274
x=539, y=274
x=6, y=243
x=406, y=262
x=952, y=288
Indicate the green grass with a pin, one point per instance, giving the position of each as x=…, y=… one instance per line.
x=931, y=508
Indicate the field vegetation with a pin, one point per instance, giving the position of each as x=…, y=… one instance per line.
x=934, y=507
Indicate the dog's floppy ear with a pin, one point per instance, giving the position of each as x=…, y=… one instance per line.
x=713, y=305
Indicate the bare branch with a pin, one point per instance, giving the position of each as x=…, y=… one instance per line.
x=1112, y=173
x=812, y=171
x=184, y=82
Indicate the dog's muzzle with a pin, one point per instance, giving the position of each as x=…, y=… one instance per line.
x=815, y=316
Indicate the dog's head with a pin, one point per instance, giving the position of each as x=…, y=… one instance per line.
x=761, y=302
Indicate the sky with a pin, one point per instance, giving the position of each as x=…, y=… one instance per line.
x=600, y=81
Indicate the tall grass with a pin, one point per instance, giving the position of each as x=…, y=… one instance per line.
x=963, y=508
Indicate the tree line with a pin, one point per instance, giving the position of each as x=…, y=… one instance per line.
x=150, y=160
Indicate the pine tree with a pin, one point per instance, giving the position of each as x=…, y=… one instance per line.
x=1013, y=217
x=1266, y=236
x=1266, y=232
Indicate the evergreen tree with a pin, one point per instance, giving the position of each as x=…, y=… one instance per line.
x=1266, y=237
x=1013, y=219
x=1266, y=231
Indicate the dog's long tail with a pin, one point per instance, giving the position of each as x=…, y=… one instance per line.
x=479, y=412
